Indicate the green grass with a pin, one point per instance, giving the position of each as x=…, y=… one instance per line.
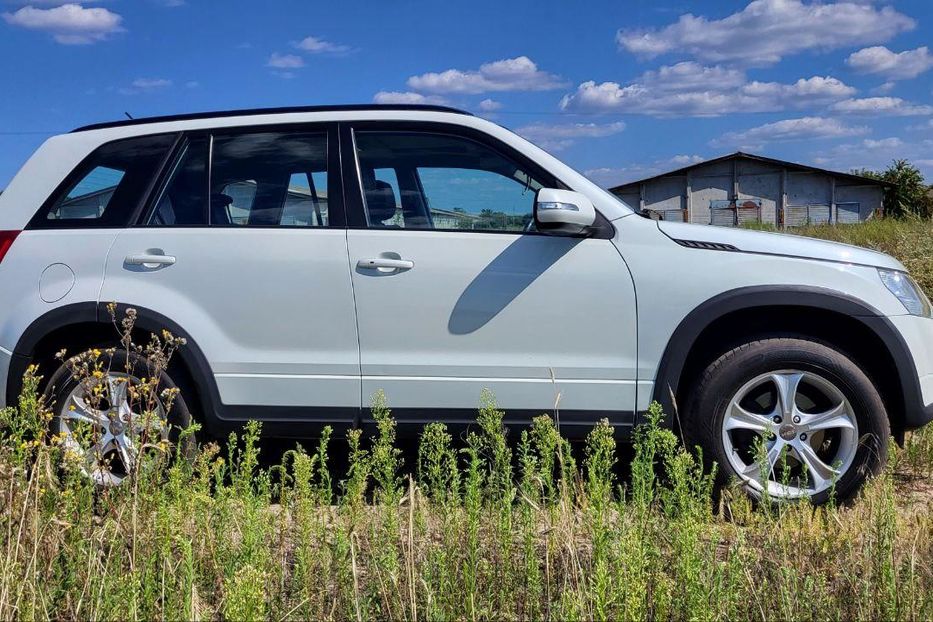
x=469, y=534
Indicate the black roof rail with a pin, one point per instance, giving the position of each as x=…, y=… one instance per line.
x=263, y=111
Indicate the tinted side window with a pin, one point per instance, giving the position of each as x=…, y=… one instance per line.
x=269, y=179
x=108, y=186
x=183, y=201
x=306, y=203
x=442, y=182
x=259, y=179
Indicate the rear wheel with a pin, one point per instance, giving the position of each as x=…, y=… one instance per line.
x=789, y=418
x=105, y=423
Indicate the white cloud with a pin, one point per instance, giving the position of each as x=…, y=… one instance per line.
x=872, y=154
x=885, y=106
x=151, y=83
x=685, y=160
x=407, y=97
x=813, y=90
x=887, y=87
x=285, y=61
x=892, y=65
x=691, y=89
x=510, y=74
x=804, y=128
x=44, y=2
x=767, y=30
x=608, y=177
x=926, y=167
x=316, y=45
x=69, y=24
x=560, y=136
x=145, y=85
x=884, y=143
x=691, y=76
x=490, y=105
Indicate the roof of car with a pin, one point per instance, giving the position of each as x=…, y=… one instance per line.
x=267, y=111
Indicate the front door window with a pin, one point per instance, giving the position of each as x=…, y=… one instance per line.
x=416, y=180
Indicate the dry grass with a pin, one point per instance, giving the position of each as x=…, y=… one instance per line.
x=467, y=537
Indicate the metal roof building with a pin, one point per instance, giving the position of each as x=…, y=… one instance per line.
x=741, y=188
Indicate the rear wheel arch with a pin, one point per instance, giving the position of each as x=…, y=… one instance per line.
x=834, y=318
x=79, y=326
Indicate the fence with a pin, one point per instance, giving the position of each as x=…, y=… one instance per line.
x=676, y=215
x=820, y=214
x=727, y=213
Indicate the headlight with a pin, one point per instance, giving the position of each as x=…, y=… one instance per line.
x=908, y=292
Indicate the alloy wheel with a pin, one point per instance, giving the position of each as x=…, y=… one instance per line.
x=104, y=428
x=790, y=433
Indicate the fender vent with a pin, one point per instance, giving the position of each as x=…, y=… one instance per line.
x=709, y=246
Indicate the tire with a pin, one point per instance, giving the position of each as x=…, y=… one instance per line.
x=66, y=395
x=835, y=410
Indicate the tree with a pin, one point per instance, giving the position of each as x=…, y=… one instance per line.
x=909, y=193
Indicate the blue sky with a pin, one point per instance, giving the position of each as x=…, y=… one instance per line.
x=619, y=90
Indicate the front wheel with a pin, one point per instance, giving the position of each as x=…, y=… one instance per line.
x=789, y=418
x=106, y=417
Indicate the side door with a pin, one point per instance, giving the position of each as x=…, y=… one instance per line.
x=456, y=292
x=244, y=247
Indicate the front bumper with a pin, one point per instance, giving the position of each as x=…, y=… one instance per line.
x=916, y=333
x=5, y=358
x=926, y=390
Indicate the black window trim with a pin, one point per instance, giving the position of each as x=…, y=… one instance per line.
x=165, y=176
x=353, y=181
x=40, y=221
x=336, y=213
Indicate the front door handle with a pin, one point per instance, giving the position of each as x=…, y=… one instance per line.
x=385, y=263
x=147, y=260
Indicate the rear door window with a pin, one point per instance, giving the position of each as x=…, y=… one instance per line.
x=108, y=186
x=248, y=179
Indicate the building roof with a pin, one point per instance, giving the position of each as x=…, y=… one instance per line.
x=265, y=111
x=757, y=158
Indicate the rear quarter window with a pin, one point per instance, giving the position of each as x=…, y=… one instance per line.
x=106, y=189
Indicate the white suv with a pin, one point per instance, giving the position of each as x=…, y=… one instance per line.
x=314, y=256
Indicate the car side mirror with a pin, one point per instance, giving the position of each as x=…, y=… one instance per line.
x=563, y=212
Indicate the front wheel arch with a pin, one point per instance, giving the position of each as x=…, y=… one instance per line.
x=818, y=366
x=746, y=314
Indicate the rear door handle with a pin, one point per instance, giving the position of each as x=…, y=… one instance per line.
x=385, y=263
x=150, y=261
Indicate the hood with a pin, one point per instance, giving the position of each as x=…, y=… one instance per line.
x=783, y=244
